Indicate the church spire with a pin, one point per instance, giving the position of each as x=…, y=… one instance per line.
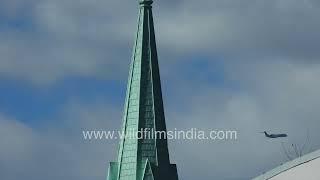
x=147, y=158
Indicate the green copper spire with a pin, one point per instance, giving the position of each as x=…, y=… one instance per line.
x=147, y=158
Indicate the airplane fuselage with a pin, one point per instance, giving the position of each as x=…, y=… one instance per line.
x=274, y=135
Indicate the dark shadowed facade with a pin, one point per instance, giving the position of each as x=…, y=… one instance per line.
x=147, y=158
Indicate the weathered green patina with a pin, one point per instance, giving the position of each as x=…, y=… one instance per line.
x=148, y=158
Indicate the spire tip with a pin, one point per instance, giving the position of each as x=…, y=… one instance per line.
x=145, y=2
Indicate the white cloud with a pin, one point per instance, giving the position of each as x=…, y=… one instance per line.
x=57, y=149
x=94, y=38
x=243, y=29
x=276, y=96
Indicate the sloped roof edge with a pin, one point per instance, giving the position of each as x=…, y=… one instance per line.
x=289, y=165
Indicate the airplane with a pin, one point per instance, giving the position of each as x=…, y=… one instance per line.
x=274, y=135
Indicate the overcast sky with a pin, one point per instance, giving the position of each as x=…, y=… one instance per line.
x=249, y=65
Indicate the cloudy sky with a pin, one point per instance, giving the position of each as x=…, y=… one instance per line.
x=249, y=65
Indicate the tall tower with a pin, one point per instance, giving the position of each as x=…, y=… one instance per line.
x=146, y=158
